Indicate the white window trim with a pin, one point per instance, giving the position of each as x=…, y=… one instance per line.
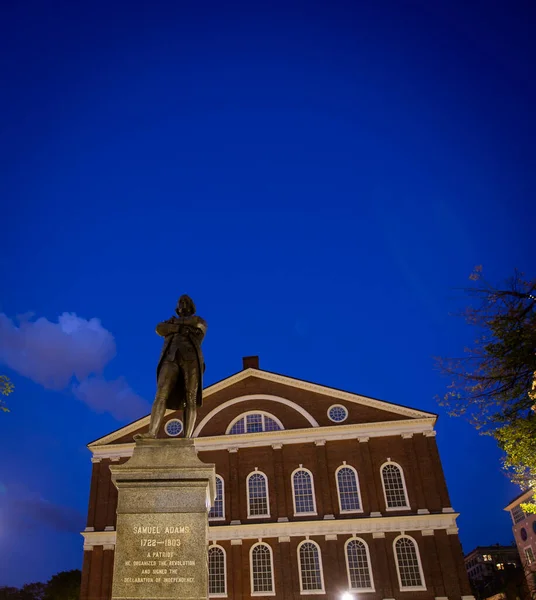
x=395, y=508
x=347, y=511
x=224, y=595
x=222, y=501
x=369, y=589
x=527, y=563
x=337, y=406
x=253, y=412
x=309, y=513
x=267, y=515
x=311, y=592
x=272, y=593
x=413, y=588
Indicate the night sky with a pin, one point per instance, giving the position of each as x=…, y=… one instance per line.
x=320, y=177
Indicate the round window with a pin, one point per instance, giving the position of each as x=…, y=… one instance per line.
x=337, y=413
x=174, y=427
x=523, y=534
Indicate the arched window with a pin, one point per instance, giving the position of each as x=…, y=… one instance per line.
x=408, y=564
x=394, y=486
x=257, y=489
x=262, y=570
x=217, y=576
x=254, y=422
x=303, y=492
x=309, y=559
x=348, y=488
x=358, y=565
x=218, y=508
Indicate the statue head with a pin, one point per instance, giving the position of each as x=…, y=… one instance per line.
x=185, y=306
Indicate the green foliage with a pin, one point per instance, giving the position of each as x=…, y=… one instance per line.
x=518, y=440
x=494, y=384
x=6, y=387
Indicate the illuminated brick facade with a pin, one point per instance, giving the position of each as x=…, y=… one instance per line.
x=323, y=492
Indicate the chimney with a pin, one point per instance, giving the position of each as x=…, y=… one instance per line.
x=250, y=362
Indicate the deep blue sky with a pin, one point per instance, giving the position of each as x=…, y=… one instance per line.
x=320, y=177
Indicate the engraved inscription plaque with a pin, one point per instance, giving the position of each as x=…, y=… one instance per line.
x=164, y=494
x=160, y=556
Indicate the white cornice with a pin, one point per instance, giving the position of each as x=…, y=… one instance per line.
x=220, y=533
x=524, y=497
x=98, y=538
x=283, y=380
x=287, y=436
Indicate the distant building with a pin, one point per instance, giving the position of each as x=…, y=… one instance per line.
x=320, y=492
x=524, y=528
x=492, y=568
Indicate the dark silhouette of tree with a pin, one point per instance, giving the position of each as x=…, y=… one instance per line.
x=494, y=384
x=64, y=586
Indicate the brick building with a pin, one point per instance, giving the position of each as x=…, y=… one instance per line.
x=524, y=528
x=494, y=569
x=320, y=492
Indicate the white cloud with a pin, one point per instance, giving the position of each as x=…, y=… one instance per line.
x=53, y=353
x=115, y=397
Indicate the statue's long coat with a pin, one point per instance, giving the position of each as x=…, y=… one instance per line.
x=182, y=348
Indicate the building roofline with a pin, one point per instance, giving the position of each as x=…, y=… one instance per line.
x=284, y=380
x=526, y=495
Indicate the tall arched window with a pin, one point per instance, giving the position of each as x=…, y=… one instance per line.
x=217, y=576
x=303, y=492
x=257, y=489
x=394, y=486
x=217, y=512
x=358, y=565
x=262, y=570
x=408, y=563
x=254, y=422
x=310, y=565
x=348, y=488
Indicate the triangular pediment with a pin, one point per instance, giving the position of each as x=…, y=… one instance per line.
x=300, y=404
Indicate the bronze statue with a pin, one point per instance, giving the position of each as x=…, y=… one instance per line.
x=180, y=369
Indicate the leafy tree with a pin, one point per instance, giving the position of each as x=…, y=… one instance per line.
x=64, y=586
x=9, y=593
x=494, y=384
x=6, y=387
x=33, y=591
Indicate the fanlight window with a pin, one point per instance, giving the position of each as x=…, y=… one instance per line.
x=217, y=584
x=303, y=491
x=408, y=564
x=310, y=567
x=255, y=423
x=257, y=486
x=358, y=565
x=394, y=486
x=348, y=488
x=217, y=511
x=262, y=572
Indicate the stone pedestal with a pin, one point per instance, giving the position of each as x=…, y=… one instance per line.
x=164, y=495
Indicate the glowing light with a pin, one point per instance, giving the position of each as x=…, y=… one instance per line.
x=347, y=596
